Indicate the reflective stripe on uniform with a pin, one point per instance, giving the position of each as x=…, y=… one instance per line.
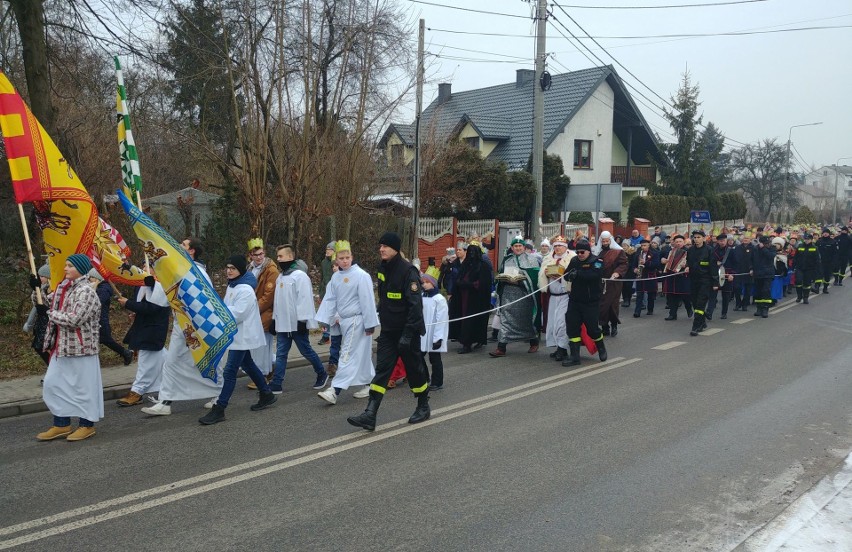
x=704, y=263
x=394, y=295
x=380, y=276
x=377, y=388
x=574, y=339
x=600, y=338
x=420, y=389
x=696, y=311
x=760, y=301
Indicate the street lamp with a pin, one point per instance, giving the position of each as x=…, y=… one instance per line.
x=787, y=168
x=836, y=170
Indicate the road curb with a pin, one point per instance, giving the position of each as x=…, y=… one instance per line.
x=114, y=392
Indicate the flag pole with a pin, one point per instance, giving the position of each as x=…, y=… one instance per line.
x=39, y=298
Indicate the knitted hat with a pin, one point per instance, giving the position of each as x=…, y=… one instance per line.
x=517, y=239
x=583, y=245
x=428, y=278
x=656, y=239
x=332, y=245
x=95, y=274
x=545, y=242
x=239, y=262
x=44, y=271
x=81, y=263
x=391, y=240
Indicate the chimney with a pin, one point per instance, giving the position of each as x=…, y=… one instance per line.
x=524, y=76
x=444, y=92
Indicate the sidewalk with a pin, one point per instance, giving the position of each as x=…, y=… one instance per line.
x=23, y=395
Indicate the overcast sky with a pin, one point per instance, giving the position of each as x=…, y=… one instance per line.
x=752, y=87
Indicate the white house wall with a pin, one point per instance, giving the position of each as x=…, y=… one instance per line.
x=592, y=122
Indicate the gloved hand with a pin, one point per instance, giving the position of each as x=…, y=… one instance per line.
x=437, y=344
x=41, y=309
x=405, y=342
x=272, y=328
x=149, y=281
x=302, y=327
x=571, y=275
x=35, y=282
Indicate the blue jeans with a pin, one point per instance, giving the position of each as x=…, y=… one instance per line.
x=285, y=341
x=334, y=349
x=237, y=360
x=65, y=421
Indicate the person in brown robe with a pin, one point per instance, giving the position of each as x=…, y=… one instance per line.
x=614, y=267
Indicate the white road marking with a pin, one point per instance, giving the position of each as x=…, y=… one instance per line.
x=712, y=331
x=669, y=345
x=338, y=444
x=742, y=321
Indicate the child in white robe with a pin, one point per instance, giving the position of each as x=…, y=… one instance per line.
x=349, y=300
x=434, y=341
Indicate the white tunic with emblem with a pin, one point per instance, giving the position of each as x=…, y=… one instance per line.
x=558, y=305
x=294, y=301
x=436, y=317
x=181, y=379
x=349, y=299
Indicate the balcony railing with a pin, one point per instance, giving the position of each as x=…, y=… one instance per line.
x=639, y=176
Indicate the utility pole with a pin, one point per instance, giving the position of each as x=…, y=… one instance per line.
x=538, y=118
x=787, y=168
x=415, y=233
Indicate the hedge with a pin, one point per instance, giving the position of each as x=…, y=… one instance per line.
x=670, y=209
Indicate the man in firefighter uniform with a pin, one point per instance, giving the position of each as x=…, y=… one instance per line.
x=806, y=265
x=703, y=274
x=844, y=252
x=584, y=272
x=401, y=318
x=827, y=256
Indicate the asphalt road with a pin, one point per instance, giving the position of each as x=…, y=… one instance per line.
x=692, y=447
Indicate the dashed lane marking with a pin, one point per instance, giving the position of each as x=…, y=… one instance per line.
x=742, y=321
x=669, y=345
x=712, y=331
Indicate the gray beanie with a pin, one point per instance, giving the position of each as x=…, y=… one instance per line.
x=44, y=271
x=95, y=274
x=331, y=245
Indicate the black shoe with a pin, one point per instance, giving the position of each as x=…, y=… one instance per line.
x=367, y=419
x=649, y=313
x=266, y=400
x=636, y=315
x=128, y=357
x=825, y=289
x=671, y=316
x=724, y=316
x=625, y=304
x=693, y=332
x=574, y=358
x=601, y=350
x=216, y=415
x=324, y=341
x=614, y=331
x=422, y=412
x=560, y=354
x=708, y=315
x=465, y=350
x=764, y=312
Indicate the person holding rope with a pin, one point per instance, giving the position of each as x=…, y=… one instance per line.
x=644, y=267
x=676, y=285
x=552, y=285
x=517, y=280
x=584, y=272
x=703, y=279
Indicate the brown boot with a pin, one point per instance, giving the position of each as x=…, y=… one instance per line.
x=331, y=370
x=130, y=399
x=81, y=433
x=54, y=433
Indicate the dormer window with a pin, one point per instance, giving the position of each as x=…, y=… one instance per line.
x=472, y=142
x=397, y=154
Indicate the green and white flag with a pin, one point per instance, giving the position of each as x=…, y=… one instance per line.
x=131, y=176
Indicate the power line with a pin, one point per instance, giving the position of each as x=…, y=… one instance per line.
x=468, y=9
x=479, y=51
x=472, y=60
x=674, y=35
x=704, y=5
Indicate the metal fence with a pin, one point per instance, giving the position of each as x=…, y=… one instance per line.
x=467, y=228
x=431, y=229
x=687, y=227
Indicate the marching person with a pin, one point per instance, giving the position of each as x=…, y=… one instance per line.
x=349, y=305
x=519, y=319
x=676, y=287
x=806, y=265
x=241, y=301
x=181, y=379
x=744, y=263
x=326, y=272
x=401, y=318
x=828, y=256
x=265, y=272
x=37, y=321
x=584, y=271
x=104, y=292
x=763, y=272
x=614, y=267
x=703, y=275
x=293, y=315
x=72, y=385
x=844, y=253
x=472, y=296
x=552, y=285
x=434, y=341
x=722, y=254
x=150, y=313
x=645, y=268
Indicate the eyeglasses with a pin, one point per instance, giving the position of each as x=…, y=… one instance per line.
x=258, y=254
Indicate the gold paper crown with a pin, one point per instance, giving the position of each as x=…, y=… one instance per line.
x=254, y=243
x=342, y=245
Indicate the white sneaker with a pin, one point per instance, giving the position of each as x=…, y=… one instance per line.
x=328, y=395
x=209, y=404
x=158, y=409
x=363, y=393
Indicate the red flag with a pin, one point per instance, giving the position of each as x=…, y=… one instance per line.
x=588, y=341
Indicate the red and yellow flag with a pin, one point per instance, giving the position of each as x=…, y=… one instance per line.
x=41, y=175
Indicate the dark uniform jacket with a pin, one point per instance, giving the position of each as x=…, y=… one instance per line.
x=827, y=252
x=150, y=326
x=763, y=259
x=806, y=258
x=743, y=257
x=702, y=265
x=586, y=286
x=400, y=298
x=844, y=248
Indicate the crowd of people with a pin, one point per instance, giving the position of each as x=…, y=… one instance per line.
x=569, y=290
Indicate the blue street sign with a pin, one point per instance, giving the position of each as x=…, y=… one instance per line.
x=699, y=216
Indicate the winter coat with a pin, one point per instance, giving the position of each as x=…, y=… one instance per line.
x=265, y=293
x=150, y=325
x=763, y=260
x=73, y=319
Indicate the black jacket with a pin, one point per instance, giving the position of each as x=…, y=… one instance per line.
x=806, y=258
x=702, y=265
x=743, y=257
x=586, y=286
x=844, y=247
x=827, y=251
x=763, y=260
x=400, y=297
x=150, y=327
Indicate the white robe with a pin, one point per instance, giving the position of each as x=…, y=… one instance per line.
x=436, y=317
x=294, y=301
x=181, y=379
x=556, y=332
x=149, y=370
x=73, y=387
x=349, y=300
x=264, y=356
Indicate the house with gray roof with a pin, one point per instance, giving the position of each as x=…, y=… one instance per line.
x=590, y=121
x=829, y=177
